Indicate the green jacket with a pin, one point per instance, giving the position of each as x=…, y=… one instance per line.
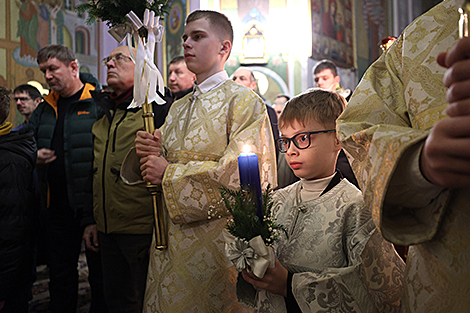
x=78, y=146
x=118, y=207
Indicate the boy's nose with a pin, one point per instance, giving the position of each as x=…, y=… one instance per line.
x=292, y=149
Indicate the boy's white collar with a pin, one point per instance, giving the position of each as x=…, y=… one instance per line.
x=210, y=83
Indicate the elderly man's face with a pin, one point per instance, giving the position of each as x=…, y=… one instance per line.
x=120, y=76
x=243, y=77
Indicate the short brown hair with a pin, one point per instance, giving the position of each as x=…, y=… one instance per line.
x=320, y=105
x=217, y=21
x=61, y=53
x=177, y=59
x=4, y=103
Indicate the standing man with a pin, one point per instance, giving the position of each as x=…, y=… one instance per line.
x=279, y=104
x=123, y=213
x=244, y=76
x=203, y=135
x=27, y=99
x=180, y=79
x=325, y=76
x=62, y=127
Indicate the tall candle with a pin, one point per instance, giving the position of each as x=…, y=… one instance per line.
x=250, y=179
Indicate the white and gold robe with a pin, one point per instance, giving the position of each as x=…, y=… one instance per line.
x=203, y=138
x=383, y=128
x=339, y=261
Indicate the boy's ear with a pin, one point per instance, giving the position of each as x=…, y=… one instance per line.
x=226, y=47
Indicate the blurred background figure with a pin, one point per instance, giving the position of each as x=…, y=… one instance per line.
x=180, y=79
x=17, y=159
x=325, y=76
x=279, y=103
x=27, y=98
x=244, y=76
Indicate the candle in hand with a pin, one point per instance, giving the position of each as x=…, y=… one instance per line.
x=249, y=178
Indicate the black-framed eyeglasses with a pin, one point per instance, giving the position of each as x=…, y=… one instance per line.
x=117, y=58
x=22, y=99
x=301, y=140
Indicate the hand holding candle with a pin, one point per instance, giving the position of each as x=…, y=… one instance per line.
x=250, y=179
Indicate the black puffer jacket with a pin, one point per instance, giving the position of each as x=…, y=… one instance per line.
x=17, y=160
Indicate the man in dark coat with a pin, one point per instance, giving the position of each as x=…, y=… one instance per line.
x=62, y=126
x=17, y=159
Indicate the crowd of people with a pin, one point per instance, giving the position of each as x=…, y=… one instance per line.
x=353, y=172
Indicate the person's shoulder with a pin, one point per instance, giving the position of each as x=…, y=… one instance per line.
x=234, y=90
x=349, y=194
x=20, y=143
x=236, y=87
x=283, y=193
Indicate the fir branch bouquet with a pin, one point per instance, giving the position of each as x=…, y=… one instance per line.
x=244, y=223
x=113, y=12
x=249, y=240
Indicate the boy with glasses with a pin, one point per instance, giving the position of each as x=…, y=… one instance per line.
x=331, y=257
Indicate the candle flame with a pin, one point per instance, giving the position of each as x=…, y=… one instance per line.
x=246, y=149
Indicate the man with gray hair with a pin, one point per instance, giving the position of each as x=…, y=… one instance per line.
x=244, y=76
x=62, y=126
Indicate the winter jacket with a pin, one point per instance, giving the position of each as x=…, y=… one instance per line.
x=17, y=159
x=78, y=146
x=118, y=207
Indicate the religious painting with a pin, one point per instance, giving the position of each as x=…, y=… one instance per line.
x=332, y=29
x=174, y=29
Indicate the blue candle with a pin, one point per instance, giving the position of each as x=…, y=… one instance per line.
x=249, y=179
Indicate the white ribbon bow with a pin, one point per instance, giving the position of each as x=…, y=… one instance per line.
x=253, y=255
x=147, y=77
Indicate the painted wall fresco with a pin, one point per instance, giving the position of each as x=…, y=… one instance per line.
x=32, y=24
x=332, y=31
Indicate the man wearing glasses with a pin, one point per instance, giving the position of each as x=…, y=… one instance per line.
x=27, y=98
x=123, y=213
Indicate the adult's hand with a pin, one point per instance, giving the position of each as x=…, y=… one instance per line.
x=45, y=156
x=274, y=280
x=445, y=158
x=153, y=168
x=147, y=144
x=90, y=235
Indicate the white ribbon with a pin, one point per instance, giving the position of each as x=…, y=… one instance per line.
x=253, y=255
x=147, y=77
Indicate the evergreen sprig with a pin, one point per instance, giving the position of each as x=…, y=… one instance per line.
x=113, y=12
x=244, y=223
